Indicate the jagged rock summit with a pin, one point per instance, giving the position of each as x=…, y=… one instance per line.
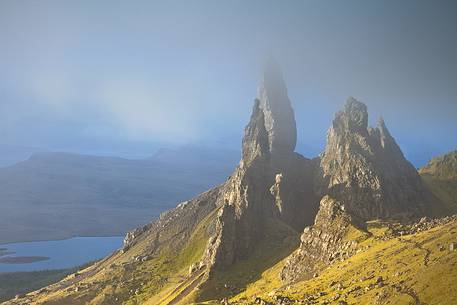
x=270, y=182
x=364, y=168
x=363, y=176
x=279, y=118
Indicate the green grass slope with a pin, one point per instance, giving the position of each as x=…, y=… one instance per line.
x=411, y=269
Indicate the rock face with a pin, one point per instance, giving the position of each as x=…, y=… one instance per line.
x=279, y=116
x=363, y=175
x=442, y=167
x=323, y=242
x=365, y=169
x=271, y=180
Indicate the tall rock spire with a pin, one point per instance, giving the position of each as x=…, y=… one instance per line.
x=255, y=140
x=353, y=118
x=279, y=115
x=270, y=182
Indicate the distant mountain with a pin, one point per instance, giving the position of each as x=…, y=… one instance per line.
x=58, y=195
x=12, y=154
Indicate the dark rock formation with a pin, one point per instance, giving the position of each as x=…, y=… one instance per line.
x=278, y=112
x=255, y=140
x=323, y=242
x=363, y=175
x=271, y=180
x=443, y=167
x=365, y=169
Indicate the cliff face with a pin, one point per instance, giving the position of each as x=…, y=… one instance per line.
x=443, y=167
x=279, y=115
x=271, y=180
x=324, y=242
x=365, y=169
x=363, y=175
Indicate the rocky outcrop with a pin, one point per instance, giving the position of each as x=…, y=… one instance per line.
x=365, y=169
x=443, y=167
x=271, y=180
x=279, y=116
x=323, y=242
x=363, y=175
x=423, y=224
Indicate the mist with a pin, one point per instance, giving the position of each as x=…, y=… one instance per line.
x=108, y=77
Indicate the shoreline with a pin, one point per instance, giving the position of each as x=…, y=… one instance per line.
x=22, y=260
x=2, y=244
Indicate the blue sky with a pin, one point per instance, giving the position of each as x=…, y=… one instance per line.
x=126, y=77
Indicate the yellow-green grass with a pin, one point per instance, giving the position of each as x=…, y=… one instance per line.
x=119, y=279
x=414, y=263
x=171, y=267
x=443, y=189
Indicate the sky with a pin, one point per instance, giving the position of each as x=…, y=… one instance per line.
x=127, y=77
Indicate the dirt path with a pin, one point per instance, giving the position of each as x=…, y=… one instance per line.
x=409, y=291
x=419, y=246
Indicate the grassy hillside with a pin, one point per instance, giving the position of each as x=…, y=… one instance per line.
x=440, y=175
x=443, y=167
x=444, y=189
x=394, y=264
x=409, y=269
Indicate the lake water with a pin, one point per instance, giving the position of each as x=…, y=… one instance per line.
x=62, y=254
